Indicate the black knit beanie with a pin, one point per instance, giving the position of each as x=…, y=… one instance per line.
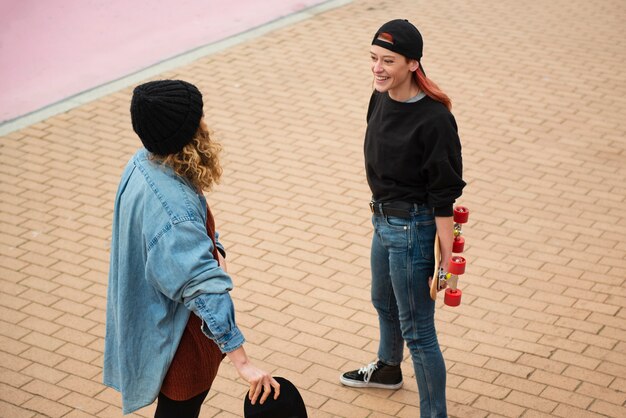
x=288, y=405
x=166, y=114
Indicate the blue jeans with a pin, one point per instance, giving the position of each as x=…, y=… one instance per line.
x=402, y=261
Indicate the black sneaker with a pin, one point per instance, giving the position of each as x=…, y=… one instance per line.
x=374, y=375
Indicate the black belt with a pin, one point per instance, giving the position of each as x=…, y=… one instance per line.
x=397, y=209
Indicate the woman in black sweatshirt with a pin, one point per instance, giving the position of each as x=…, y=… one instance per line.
x=414, y=170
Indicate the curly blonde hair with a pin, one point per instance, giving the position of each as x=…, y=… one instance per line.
x=198, y=161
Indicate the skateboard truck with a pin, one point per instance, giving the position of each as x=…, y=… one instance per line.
x=450, y=279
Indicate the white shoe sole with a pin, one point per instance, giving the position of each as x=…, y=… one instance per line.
x=353, y=384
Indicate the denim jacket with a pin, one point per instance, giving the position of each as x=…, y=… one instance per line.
x=162, y=268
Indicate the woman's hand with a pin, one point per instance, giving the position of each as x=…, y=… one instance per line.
x=444, y=262
x=261, y=382
x=222, y=262
x=445, y=232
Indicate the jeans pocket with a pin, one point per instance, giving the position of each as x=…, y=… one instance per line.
x=394, y=232
x=426, y=237
x=396, y=222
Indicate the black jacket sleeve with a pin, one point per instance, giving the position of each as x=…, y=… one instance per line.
x=370, y=106
x=443, y=164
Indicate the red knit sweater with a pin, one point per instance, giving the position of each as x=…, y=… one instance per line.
x=197, y=358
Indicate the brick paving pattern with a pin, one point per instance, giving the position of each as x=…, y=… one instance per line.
x=538, y=90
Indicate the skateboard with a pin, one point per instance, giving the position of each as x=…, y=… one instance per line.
x=450, y=279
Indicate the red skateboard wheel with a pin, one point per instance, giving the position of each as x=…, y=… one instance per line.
x=461, y=214
x=457, y=265
x=458, y=244
x=452, y=297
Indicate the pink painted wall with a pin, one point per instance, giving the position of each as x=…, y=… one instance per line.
x=53, y=49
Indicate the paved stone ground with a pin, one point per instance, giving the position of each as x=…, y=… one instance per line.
x=539, y=93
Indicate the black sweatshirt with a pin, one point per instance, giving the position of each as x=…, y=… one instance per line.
x=413, y=153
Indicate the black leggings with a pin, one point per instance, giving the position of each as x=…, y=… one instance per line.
x=169, y=408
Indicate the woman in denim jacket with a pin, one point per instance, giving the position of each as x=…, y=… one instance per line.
x=413, y=166
x=170, y=318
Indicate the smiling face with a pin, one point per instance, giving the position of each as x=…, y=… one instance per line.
x=393, y=73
